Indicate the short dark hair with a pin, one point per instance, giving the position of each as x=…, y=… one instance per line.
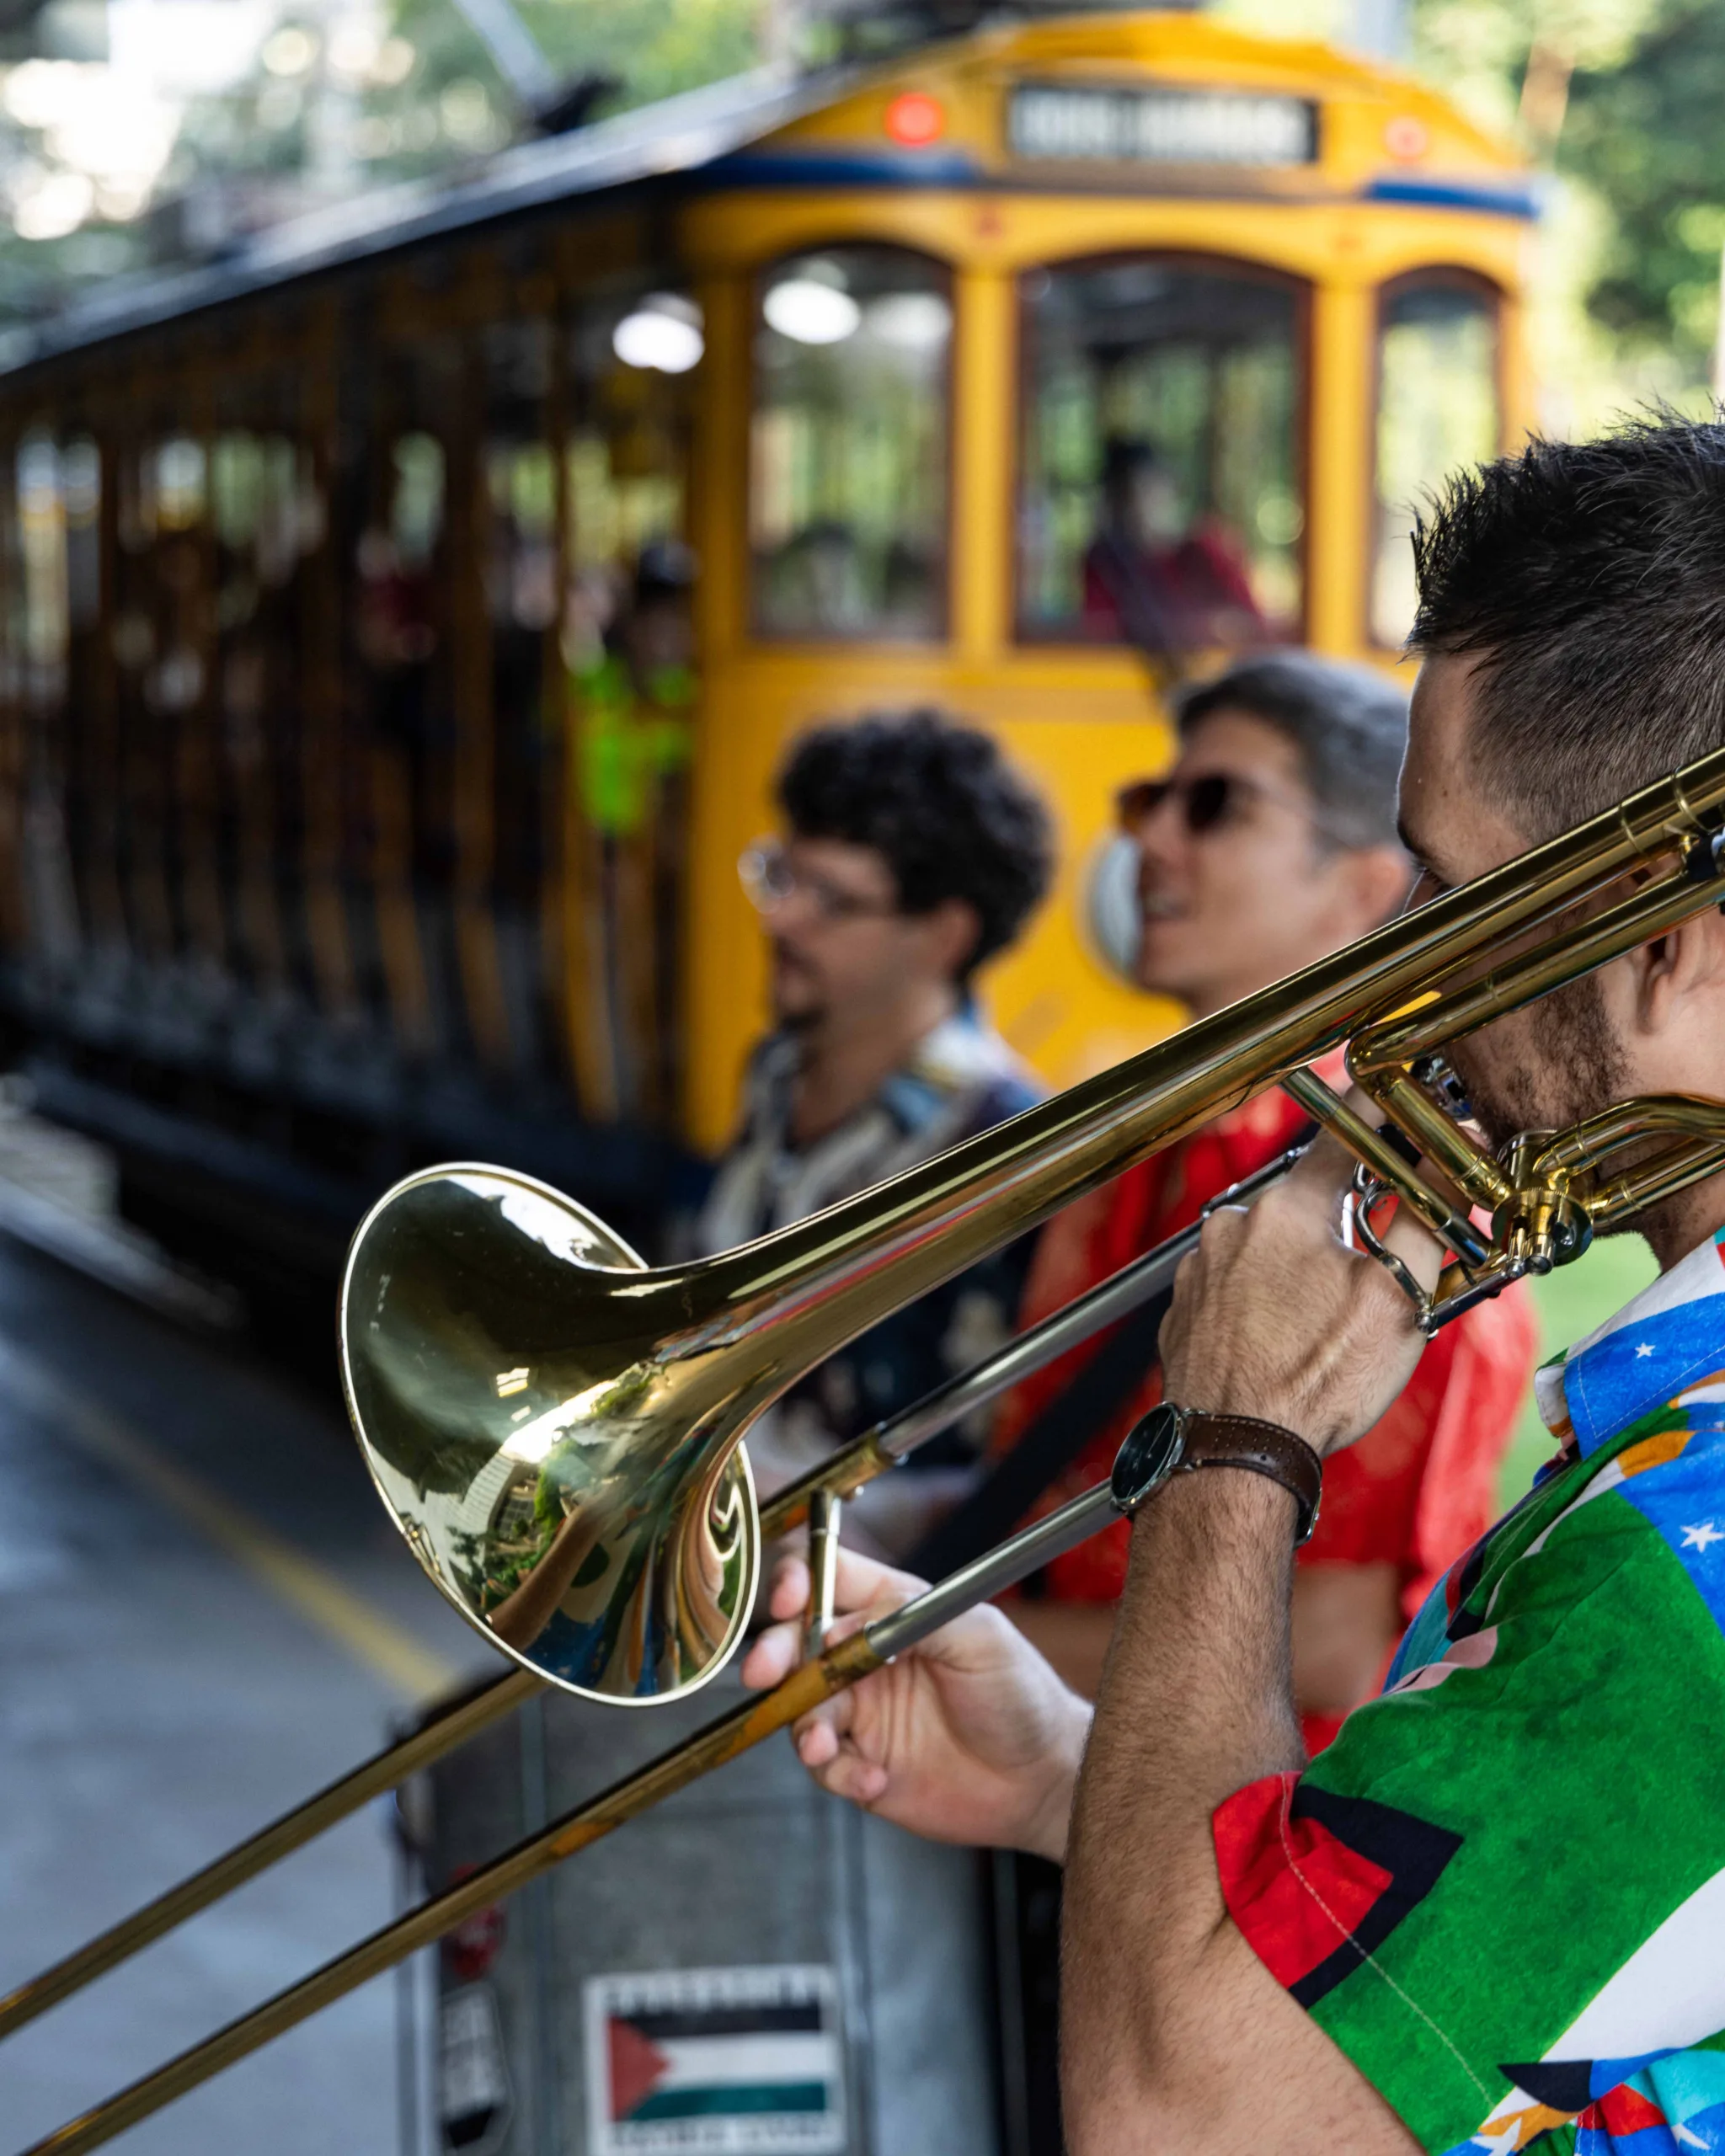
x=1123, y=457
x=939, y=803
x=1349, y=724
x=1588, y=580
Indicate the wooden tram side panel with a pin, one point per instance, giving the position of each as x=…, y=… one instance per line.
x=194, y=855
x=475, y=718
x=93, y=716
x=582, y=935
x=386, y=649
x=562, y=944
x=14, y=907
x=597, y=1040
x=524, y=592
x=259, y=686
x=620, y=875
x=321, y=730
x=84, y=721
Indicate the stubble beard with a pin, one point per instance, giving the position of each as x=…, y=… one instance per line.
x=1578, y=1069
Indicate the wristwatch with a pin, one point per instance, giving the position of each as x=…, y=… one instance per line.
x=1174, y=1440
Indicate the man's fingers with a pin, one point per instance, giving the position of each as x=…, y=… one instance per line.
x=850, y=1776
x=824, y=1726
x=1418, y=1249
x=780, y=1647
x=863, y=1583
x=789, y=1591
x=821, y=1741
x=859, y=1582
x=773, y=1656
x=1321, y=1176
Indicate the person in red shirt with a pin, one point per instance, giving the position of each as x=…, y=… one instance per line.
x=1162, y=578
x=1272, y=842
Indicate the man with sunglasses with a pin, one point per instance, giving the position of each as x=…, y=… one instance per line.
x=1272, y=842
x=912, y=855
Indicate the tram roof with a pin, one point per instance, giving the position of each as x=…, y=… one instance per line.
x=676, y=135
x=728, y=125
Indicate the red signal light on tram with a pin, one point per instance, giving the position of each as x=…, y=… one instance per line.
x=913, y=118
x=1406, y=138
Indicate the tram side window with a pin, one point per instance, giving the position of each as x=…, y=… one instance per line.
x=1437, y=409
x=848, y=449
x=1161, y=498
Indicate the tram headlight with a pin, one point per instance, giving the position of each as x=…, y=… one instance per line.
x=663, y=334
x=810, y=313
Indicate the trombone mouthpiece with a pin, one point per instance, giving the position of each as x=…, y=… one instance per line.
x=549, y=1461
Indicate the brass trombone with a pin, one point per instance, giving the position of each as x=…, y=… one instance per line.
x=556, y=1428
x=818, y=1491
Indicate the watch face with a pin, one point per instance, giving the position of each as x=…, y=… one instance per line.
x=1149, y=1456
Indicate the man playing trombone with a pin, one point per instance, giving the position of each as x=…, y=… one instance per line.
x=1492, y=1912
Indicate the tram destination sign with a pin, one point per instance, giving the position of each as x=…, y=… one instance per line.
x=1062, y=122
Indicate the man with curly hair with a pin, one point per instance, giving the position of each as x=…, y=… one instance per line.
x=912, y=855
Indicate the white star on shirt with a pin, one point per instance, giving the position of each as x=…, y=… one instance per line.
x=1643, y=1351
x=1703, y=1536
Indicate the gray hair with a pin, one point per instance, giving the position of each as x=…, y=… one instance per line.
x=1349, y=724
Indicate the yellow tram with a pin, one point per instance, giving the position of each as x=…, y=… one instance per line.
x=402, y=619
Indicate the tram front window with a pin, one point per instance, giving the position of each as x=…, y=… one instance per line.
x=847, y=487
x=1161, y=504
x=1437, y=410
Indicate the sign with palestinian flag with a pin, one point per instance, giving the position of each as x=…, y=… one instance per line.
x=724, y=2062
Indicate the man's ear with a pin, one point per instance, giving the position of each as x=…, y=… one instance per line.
x=1686, y=962
x=1379, y=880
x=952, y=929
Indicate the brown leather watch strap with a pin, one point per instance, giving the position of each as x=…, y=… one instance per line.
x=1262, y=1448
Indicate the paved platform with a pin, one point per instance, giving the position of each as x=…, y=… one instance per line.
x=205, y=1614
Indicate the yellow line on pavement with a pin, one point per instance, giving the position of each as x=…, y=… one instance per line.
x=384, y=1647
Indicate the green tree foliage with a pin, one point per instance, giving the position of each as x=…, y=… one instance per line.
x=1621, y=100
x=1646, y=138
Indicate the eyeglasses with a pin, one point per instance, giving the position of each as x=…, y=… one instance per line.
x=772, y=879
x=1206, y=802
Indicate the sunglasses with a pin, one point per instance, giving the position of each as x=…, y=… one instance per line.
x=772, y=879
x=1206, y=804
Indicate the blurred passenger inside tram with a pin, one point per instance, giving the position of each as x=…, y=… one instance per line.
x=911, y=855
x=1272, y=842
x=1162, y=578
x=816, y=583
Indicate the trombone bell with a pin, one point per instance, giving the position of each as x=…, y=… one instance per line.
x=525, y=1436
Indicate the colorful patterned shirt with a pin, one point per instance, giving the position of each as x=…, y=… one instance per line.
x=1502, y=1890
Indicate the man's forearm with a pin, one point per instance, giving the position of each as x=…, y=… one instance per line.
x=1196, y=1702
